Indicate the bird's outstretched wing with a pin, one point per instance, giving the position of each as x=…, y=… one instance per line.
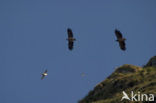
x=70, y=45
x=122, y=45
x=118, y=34
x=70, y=33
x=42, y=77
x=46, y=71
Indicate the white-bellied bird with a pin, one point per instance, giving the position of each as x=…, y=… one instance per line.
x=44, y=74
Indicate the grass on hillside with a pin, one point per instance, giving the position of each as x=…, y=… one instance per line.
x=126, y=78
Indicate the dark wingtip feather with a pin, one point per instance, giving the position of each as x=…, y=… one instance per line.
x=70, y=48
x=116, y=31
x=124, y=49
x=68, y=29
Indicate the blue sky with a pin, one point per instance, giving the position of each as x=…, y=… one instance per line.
x=33, y=38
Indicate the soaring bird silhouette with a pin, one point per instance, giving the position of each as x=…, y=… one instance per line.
x=44, y=74
x=120, y=39
x=70, y=39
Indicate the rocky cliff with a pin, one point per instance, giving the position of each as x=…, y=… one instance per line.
x=125, y=78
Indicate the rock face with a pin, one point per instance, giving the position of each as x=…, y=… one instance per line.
x=152, y=62
x=126, y=68
x=125, y=78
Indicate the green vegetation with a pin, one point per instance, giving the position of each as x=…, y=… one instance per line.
x=125, y=78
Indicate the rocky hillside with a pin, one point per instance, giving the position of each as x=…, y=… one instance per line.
x=125, y=78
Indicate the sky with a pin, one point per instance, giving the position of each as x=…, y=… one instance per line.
x=33, y=38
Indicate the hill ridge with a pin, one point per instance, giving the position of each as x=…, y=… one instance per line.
x=125, y=78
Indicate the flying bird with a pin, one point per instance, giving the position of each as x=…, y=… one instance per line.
x=70, y=39
x=120, y=39
x=44, y=74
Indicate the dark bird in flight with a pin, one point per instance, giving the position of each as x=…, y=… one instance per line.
x=70, y=39
x=44, y=74
x=120, y=39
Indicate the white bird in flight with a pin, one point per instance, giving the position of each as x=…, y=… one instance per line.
x=44, y=74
